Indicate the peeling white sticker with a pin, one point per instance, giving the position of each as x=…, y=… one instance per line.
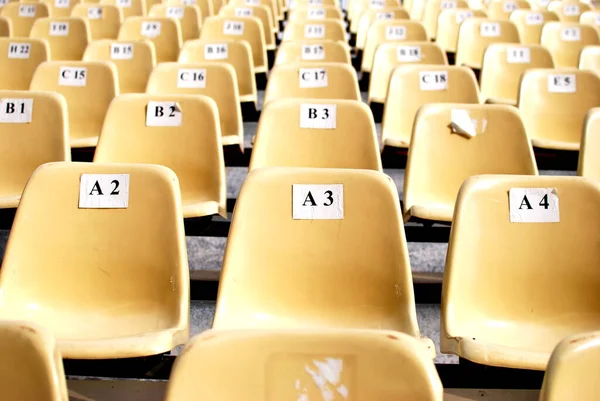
x=433, y=80
x=408, y=54
x=572, y=34
x=313, y=52
x=151, y=29
x=72, y=76
x=62, y=3
x=326, y=376
x=571, y=10
x=19, y=50
x=27, y=10
x=243, y=12
x=534, y=205
x=318, y=202
x=316, y=13
x=314, y=31
x=320, y=116
x=121, y=51
x=175, y=12
x=217, y=51
x=562, y=83
x=509, y=6
x=312, y=78
x=233, y=28
x=16, y=111
x=461, y=123
x=383, y=15
x=489, y=29
x=462, y=15
x=191, y=78
x=163, y=114
x=59, y=29
x=104, y=191
x=534, y=18
x=95, y=13
x=518, y=55
x=395, y=32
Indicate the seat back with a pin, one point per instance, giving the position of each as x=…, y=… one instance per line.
x=315, y=13
x=314, y=80
x=19, y=59
x=67, y=36
x=319, y=133
x=129, y=8
x=503, y=9
x=376, y=14
x=589, y=59
x=565, y=40
x=32, y=366
x=368, y=259
x=568, y=11
x=189, y=18
x=263, y=13
x=412, y=86
x=476, y=34
x=449, y=23
x=23, y=15
x=504, y=65
x=299, y=51
x=164, y=32
x=530, y=23
x=104, y=20
x=432, y=12
x=327, y=29
x=591, y=18
x=61, y=8
x=589, y=160
x=553, y=104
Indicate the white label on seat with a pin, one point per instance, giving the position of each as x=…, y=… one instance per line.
x=489, y=29
x=59, y=29
x=315, y=2
x=314, y=31
x=572, y=34
x=395, y=32
x=433, y=80
x=19, y=50
x=216, y=51
x=318, y=202
x=252, y=2
x=571, y=10
x=313, y=52
x=562, y=83
x=233, y=28
x=124, y=3
x=16, y=111
x=534, y=19
x=462, y=15
x=163, y=114
x=321, y=116
x=189, y=2
x=151, y=29
x=408, y=54
x=316, y=13
x=383, y=15
x=448, y=4
x=175, y=12
x=104, y=191
x=509, y=6
x=377, y=3
x=518, y=55
x=95, y=13
x=72, y=76
x=597, y=19
x=191, y=78
x=27, y=11
x=243, y=12
x=121, y=51
x=313, y=77
x=534, y=205
x=62, y=3
x=3, y=3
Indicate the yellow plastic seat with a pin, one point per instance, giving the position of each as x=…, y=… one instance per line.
x=299, y=51
x=571, y=370
x=368, y=258
x=530, y=23
x=67, y=37
x=589, y=59
x=104, y=20
x=370, y=15
x=327, y=29
x=345, y=364
x=319, y=133
x=498, y=307
x=568, y=11
x=553, y=105
x=449, y=23
x=315, y=13
x=565, y=40
x=128, y=289
x=206, y=6
x=19, y=59
x=32, y=366
x=33, y=131
x=312, y=80
x=239, y=28
x=365, y=7
x=88, y=87
x=502, y=9
x=432, y=11
x=238, y=54
x=188, y=16
x=476, y=34
x=591, y=18
x=61, y=8
x=219, y=83
x=412, y=86
x=192, y=149
x=164, y=32
x=22, y=16
x=129, y=8
x=263, y=13
x=134, y=61
x=392, y=55
x=389, y=31
x=441, y=157
x=503, y=67
x=5, y=27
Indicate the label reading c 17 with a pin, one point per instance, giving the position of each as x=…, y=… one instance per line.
x=534, y=205
x=318, y=202
x=313, y=78
x=104, y=191
x=319, y=116
x=16, y=111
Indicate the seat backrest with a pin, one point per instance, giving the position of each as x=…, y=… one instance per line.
x=181, y=132
x=504, y=65
x=568, y=11
x=189, y=18
x=367, y=7
x=370, y=15
x=299, y=51
x=34, y=130
x=61, y=8
x=368, y=365
x=32, y=366
x=432, y=12
x=164, y=32
x=591, y=18
x=589, y=59
x=239, y=28
x=213, y=79
x=530, y=23
x=412, y=86
x=19, y=59
x=392, y=55
x=104, y=20
x=440, y=158
x=476, y=34
x=449, y=23
x=382, y=31
x=320, y=133
x=502, y=9
x=263, y=13
x=327, y=29
x=553, y=103
x=565, y=40
x=315, y=13
x=333, y=250
x=129, y=8
x=312, y=80
x=88, y=87
x=67, y=36
x=589, y=155
x=23, y=15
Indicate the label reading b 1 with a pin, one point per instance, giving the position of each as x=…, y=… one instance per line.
x=16, y=111
x=534, y=205
x=104, y=191
x=163, y=114
x=313, y=78
x=318, y=202
x=320, y=116
x=313, y=52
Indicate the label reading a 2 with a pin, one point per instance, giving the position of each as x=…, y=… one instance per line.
x=104, y=191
